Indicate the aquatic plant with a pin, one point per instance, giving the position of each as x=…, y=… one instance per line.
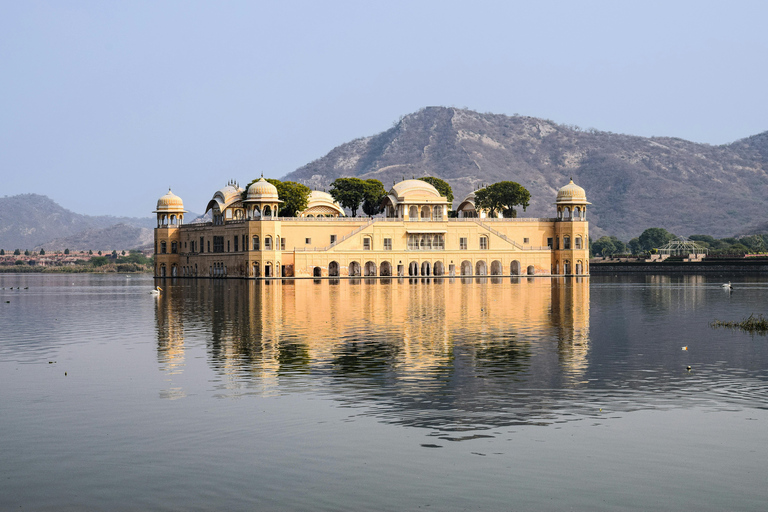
x=752, y=324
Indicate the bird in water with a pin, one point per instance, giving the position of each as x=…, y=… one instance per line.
x=156, y=291
x=728, y=286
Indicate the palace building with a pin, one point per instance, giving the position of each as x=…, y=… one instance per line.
x=414, y=237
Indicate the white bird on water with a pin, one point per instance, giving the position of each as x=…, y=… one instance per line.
x=156, y=291
x=728, y=286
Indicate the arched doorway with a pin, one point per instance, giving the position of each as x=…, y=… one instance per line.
x=370, y=269
x=425, y=268
x=413, y=269
x=385, y=269
x=333, y=269
x=579, y=269
x=354, y=269
x=496, y=268
x=567, y=267
x=317, y=272
x=531, y=270
x=267, y=270
x=466, y=268
x=481, y=269
x=438, y=268
x=256, y=272
x=514, y=268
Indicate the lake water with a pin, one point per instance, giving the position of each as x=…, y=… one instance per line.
x=400, y=394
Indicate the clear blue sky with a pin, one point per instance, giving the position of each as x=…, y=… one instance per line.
x=105, y=104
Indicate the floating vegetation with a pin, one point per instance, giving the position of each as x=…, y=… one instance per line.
x=752, y=324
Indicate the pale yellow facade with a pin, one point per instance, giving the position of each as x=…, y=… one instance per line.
x=415, y=237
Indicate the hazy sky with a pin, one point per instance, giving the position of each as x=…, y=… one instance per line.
x=105, y=104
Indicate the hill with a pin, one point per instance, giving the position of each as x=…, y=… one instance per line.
x=118, y=237
x=633, y=182
x=32, y=220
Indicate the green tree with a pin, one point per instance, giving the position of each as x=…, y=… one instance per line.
x=26, y=252
x=755, y=243
x=738, y=249
x=16, y=252
x=90, y=252
x=294, y=196
x=66, y=251
x=442, y=186
x=2, y=252
x=348, y=192
x=122, y=253
x=373, y=196
x=603, y=246
x=654, y=238
x=42, y=252
x=503, y=196
x=114, y=254
x=98, y=261
x=99, y=253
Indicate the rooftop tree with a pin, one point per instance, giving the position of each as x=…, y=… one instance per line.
x=503, y=197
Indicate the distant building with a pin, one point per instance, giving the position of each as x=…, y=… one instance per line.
x=415, y=237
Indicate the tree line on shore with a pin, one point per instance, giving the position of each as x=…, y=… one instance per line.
x=65, y=261
x=654, y=238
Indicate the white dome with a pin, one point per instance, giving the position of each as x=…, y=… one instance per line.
x=170, y=202
x=262, y=190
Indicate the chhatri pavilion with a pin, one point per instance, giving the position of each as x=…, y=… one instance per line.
x=413, y=237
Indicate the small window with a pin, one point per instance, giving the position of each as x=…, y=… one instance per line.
x=577, y=242
x=526, y=240
x=202, y=243
x=307, y=241
x=463, y=244
x=387, y=244
x=163, y=248
x=333, y=239
x=549, y=242
x=566, y=242
x=267, y=243
x=174, y=248
x=228, y=245
x=255, y=243
x=236, y=244
x=282, y=244
x=483, y=243
x=366, y=244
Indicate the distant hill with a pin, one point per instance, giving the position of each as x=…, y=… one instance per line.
x=118, y=237
x=633, y=182
x=28, y=221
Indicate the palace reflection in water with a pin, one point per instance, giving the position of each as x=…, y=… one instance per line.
x=458, y=344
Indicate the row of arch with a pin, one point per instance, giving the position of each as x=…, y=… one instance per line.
x=425, y=269
x=579, y=213
x=170, y=220
x=569, y=268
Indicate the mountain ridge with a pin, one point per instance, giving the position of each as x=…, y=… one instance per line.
x=633, y=182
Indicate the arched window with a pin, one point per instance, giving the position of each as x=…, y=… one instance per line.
x=255, y=243
x=267, y=211
x=413, y=213
x=566, y=242
x=267, y=243
x=437, y=213
x=577, y=242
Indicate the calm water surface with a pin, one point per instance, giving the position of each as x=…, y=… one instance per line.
x=456, y=394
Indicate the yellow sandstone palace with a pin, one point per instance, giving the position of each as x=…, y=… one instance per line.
x=414, y=237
